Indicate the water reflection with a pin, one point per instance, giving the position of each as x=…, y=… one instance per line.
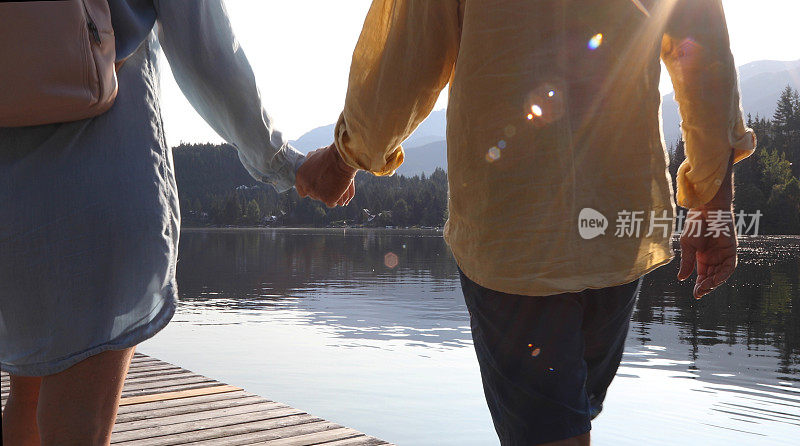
x=748, y=329
x=339, y=278
x=734, y=357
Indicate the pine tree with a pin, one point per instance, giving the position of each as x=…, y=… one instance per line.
x=233, y=210
x=252, y=213
x=786, y=125
x=785, y=110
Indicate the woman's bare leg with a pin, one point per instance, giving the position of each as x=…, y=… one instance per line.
x=19, y=415
x=79, y=405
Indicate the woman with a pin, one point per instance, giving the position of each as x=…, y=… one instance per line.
x=89, y=220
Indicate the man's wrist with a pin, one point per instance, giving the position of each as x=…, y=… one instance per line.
x=723, y=199
x=343, y=167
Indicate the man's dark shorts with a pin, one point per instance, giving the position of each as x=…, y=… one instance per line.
x=546, y=362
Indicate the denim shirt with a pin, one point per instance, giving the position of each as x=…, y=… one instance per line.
x=215, y=76
x=132, y=21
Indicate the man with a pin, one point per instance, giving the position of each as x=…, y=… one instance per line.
x=554, y=135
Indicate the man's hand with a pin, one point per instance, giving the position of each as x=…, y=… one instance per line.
x=709, y=241
x=713, y=254
x=324, y=176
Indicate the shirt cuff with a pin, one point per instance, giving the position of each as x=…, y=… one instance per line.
x=698, y=184
x=281, y=171
x=358, y=156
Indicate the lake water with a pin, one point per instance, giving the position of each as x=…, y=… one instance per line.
x=317, y=320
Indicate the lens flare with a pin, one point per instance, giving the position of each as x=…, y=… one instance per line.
x=536, y=111
x=596, y=41
x=641, y=7
x=501, y=144
x=391, y=260
x=493, y=155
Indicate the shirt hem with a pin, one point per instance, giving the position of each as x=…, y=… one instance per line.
x=128, y=340
x=620, y=278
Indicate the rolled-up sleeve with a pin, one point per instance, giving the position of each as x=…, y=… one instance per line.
x=696, y=51
x=404, y=58
x=214, y=74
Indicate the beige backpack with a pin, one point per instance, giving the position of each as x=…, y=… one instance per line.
x=56, y=61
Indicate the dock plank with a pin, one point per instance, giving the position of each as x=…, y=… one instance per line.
x=341, y=433
x=326, y=437
x=190, y=424
x=187, y=391
x=192, y=379
x=273, y=427
x=154, y=413
x=155, y=421
x=163, y=405
x=358, y=441
x=155, y=377
x=134, y=374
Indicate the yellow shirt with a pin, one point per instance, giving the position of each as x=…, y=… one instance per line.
x=554, y=109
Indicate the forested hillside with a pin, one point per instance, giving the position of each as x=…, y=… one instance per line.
x=216, y=190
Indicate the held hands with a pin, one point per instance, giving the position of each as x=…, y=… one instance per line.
x=713, y=251
x=324, y=176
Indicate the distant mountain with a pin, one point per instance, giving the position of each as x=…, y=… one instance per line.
x=424, y=159
x=761, y=84
x=766, y=66
x=431, y=130
x=319, y=137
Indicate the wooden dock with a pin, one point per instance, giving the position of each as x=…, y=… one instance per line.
x=163, y=404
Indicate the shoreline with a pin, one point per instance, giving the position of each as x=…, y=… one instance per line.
x=355, y=229
x=308, y=229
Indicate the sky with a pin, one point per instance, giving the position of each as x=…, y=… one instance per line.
x=300, y=51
